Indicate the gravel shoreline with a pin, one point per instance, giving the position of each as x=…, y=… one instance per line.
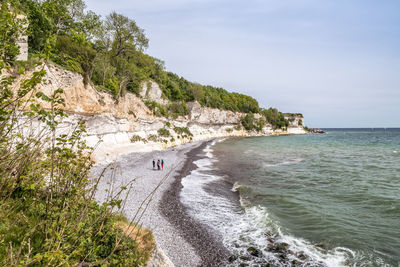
x=184, y=241
x=211, y=252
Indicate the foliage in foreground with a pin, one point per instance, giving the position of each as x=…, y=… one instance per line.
x=48, y=214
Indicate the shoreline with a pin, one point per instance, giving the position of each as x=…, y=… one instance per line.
x=137, y=167
x=107, y=152
x=184, y=240
x=211, y=252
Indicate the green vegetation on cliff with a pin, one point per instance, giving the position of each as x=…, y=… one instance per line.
x=275, y=118
x=110, y=54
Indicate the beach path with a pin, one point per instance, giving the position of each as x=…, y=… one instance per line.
x=137, y=169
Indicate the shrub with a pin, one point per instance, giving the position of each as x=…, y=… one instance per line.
x=248, y=122
x=112, y=84
x=178, y=109
x=76, y=54
x=182, y=130
x=163, y=132
x=9, y=34
x=275, y=118
x=48, y=212
x=153, y=137
x=137, y=138
x=158, y=109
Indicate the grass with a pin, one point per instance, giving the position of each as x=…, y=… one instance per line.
x=142, y=236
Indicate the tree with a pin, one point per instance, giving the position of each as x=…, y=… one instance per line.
x=58, y=12
x=40, y=27
x=9, y=32
x=275, y=118
x=196, y=91
x=76, y=54
x=125, y=34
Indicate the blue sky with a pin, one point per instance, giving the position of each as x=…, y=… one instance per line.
x=335, y=61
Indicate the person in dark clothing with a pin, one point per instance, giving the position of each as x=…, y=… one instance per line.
x=162, y=164
x=154, y=164
x=158, y=164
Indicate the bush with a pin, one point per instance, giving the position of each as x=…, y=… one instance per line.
x=183, y=130
x=178, y=109
x=112, y=84
x=275, y=118
x=77, y=56
x=48, y=212
x=137, y=138
x=158, y=109
x=248, y=122
x=9, y=34
x=163, y=132
x=153, y=137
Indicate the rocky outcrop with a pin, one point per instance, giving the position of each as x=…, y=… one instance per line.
x=316, y=130
x=151, y=90
x=296, y=123
x=86, y=100
x=204, y=115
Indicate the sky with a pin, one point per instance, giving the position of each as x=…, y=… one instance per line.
x=335, y=61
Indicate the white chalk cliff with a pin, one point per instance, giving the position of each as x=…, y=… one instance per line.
x=126, y=125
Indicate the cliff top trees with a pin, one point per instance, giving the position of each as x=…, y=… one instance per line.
x=275, y=118
x=9, y=33
x=119, y=43
x=109, y=52
x=125, y=34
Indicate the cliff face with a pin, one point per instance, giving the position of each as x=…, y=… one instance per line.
x=296, y=123
x=126, y=124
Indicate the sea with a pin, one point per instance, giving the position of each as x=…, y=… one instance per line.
x=328, y=199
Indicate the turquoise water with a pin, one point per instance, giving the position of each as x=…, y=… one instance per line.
x=331, y=199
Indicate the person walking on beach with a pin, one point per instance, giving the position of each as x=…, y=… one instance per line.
x=162, y=164
x=158, y=164
x=154, y=164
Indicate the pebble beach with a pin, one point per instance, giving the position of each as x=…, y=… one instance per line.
x=184, y=241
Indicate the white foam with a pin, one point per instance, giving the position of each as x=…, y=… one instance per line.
x=284, y=162
x=209, y=150
x=235, y=187
x=243, y=228
x=254, y=224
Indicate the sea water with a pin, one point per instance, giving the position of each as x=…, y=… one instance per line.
x=306, y=200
